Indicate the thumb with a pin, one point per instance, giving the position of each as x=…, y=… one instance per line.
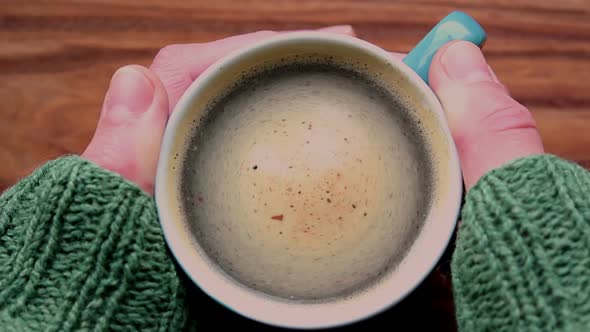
x=131, y=126
x=489, y=127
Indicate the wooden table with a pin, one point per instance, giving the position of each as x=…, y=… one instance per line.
x=56, y=59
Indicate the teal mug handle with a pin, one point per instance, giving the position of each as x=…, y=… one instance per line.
x=455, y=26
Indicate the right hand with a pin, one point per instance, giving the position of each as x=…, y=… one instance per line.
x=489, y=127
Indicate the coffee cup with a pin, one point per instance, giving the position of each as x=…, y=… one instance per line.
x=310, y=180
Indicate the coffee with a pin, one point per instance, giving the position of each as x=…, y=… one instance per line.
x=306, y=181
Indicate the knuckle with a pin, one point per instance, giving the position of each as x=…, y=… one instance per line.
x=509, y=115
x=165, y=57
x=486, y=107
x=498, y=111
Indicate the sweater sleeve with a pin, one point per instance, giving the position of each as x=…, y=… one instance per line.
x=81, y=249
x=522, y=260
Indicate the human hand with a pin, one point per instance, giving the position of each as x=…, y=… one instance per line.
x=138, y=102
x=489, y=127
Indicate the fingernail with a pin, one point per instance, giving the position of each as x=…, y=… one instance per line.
x=130, y=90
x=463, y=61
x=341, y=29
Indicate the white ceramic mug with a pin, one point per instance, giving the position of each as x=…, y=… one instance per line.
x=429, y=243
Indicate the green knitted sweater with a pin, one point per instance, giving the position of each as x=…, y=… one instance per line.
x=522, y=260
x=81, y=249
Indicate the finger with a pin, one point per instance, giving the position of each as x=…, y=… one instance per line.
x=131, y=126
x=489, y=127
x=398, y=56
x=179, y=65
x=337, y=29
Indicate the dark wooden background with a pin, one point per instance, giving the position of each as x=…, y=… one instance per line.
x=56, y=59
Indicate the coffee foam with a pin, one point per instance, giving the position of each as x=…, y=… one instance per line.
x=225, y=198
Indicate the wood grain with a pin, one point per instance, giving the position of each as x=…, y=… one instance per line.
x=56, y=59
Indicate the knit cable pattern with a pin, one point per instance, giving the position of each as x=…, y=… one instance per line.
x=522, y=261
x=81, y=250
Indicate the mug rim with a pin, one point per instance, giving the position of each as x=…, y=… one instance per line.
x=273, y=310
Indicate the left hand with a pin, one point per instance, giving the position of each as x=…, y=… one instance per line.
x=139, y=100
